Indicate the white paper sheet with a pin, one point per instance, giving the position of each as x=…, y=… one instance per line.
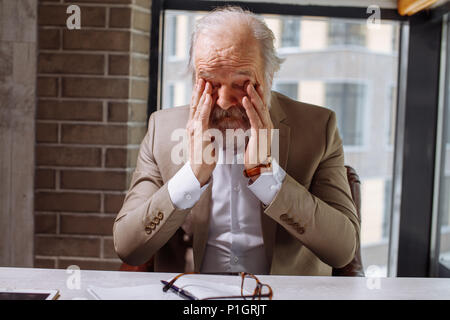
x=199, y=288
x=147, y=292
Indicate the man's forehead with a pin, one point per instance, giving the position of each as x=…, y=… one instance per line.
x=211, y=73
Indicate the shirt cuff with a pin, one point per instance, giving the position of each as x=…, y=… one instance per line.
x=266, y=187
x=184, y=188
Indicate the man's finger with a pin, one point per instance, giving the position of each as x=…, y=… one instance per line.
x=255, y=121
x=196, y=95
x=199, y=104
x=206, y=107
x=258, y=102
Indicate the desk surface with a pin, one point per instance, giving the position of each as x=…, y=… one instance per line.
x=284, y=287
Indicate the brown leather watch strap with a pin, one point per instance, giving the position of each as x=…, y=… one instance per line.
x=256, y=170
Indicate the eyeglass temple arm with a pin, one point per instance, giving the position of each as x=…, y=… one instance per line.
x=171, y=282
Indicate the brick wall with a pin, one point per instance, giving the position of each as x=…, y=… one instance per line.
x=92, y=87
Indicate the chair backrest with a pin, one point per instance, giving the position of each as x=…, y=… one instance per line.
x=355, y=267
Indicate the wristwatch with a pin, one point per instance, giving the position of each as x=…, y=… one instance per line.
x=256, y=171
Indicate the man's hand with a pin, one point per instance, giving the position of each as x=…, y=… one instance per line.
x=201, y=155
x=258, y=148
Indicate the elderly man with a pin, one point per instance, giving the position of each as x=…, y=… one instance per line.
x=290, y=213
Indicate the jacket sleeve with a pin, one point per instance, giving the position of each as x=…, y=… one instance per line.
x=148, y=218
x=324, y=217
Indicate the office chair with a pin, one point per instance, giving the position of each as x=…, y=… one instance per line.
x=353, y=269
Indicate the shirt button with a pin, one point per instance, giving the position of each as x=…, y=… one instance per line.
x=237, y=188
x=188, y=197
x=236, y=259
x=273, y=187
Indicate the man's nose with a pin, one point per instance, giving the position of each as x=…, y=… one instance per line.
x=225, y=98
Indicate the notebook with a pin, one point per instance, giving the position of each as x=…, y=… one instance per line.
x=199, y=288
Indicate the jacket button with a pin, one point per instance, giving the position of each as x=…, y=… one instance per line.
x=284, y=217
x=301, y=230
x=296, y=225
x=148, y=230
x=160, y=215
x=152, y=225
x=156, y=220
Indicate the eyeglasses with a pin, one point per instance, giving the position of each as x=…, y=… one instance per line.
x=260, y=291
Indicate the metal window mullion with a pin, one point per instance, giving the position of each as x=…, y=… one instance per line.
x=396, y=190
x=419, y=146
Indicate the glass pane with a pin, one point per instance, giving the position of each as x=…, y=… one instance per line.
x=444, y=199
x=346, y=32
x=347, y=100
x=288, y=89
x=341, y=64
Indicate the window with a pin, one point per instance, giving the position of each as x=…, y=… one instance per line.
x=347, y=100
x=288, y=89
x=341, y=32
x=290, y=35
x=176, y=80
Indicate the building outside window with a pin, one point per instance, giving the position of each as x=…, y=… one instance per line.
x=341, y=32
x=171, y=24
x=348, y=101
x=290, y=34
x=289, y=89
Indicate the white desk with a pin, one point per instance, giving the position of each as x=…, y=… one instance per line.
x=284, y=287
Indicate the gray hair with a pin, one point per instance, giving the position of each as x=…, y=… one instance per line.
x=219, y=17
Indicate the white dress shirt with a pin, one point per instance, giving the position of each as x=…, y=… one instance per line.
x=235, y=241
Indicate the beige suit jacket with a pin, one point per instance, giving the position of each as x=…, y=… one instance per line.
x=310, y=226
